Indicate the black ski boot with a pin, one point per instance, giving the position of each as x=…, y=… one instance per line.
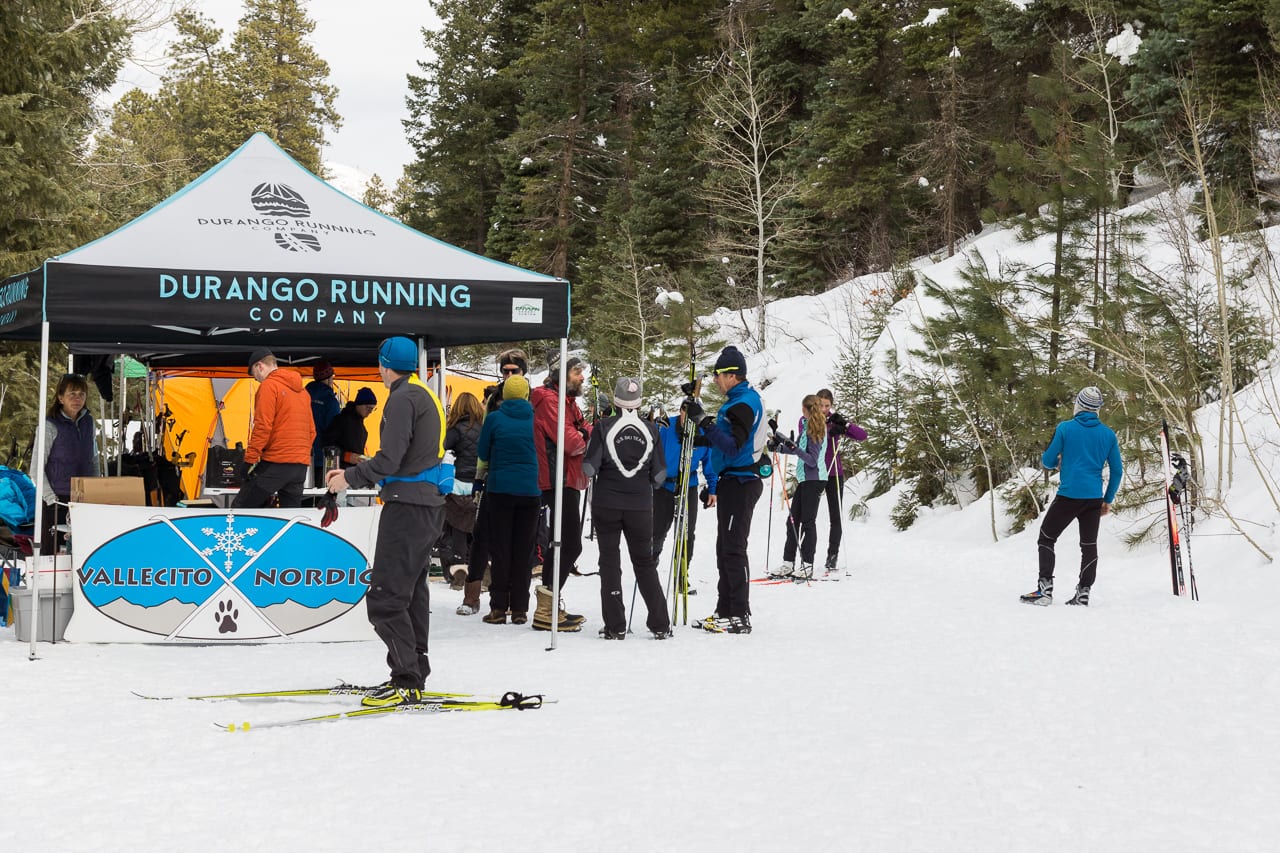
x=1081, y=597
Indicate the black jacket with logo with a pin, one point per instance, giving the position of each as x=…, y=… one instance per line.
x=625, y=456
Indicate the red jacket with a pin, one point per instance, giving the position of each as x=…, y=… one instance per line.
x=576, y=432
x=283, y=429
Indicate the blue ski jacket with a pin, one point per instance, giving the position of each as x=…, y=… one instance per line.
x=701, y=457
x=1080, y=447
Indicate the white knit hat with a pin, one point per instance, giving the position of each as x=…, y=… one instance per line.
x=1089, y=399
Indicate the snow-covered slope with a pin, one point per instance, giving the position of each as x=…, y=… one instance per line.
x=912, y=705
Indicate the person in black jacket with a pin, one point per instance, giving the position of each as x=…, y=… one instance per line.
x=412, y=439
x=625, y=456
x=347, y=432
x=466, y=417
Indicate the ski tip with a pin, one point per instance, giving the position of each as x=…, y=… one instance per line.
x=233, y=727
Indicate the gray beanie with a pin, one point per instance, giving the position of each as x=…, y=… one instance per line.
x=627, y=393
x=1089, y=399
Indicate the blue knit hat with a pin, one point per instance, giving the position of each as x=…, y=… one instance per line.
x=399, y=354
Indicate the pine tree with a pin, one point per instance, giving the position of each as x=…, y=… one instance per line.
x=462, y=107
x=278, y=81
x=56, y=58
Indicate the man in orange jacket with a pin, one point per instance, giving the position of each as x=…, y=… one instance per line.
x=279, y=451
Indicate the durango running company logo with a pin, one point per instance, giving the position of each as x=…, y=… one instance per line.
x=224, y=577
x=272, y=199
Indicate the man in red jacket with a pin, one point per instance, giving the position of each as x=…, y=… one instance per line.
x=279, y=451
x=545, y=401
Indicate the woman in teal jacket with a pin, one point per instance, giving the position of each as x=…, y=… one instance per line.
x=507, y=465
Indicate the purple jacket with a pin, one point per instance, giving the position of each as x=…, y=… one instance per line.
x=853, y=431
x=71, y=453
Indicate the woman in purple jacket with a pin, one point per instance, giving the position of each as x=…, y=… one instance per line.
x=837, y=428
x=71, y=450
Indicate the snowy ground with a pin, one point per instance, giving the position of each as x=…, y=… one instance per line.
x=914, y=705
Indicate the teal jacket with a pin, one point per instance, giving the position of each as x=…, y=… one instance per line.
x=1080, y=447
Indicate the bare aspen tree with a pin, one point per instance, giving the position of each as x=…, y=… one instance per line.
x=752, y=197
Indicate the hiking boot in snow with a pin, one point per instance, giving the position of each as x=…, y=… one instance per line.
x=458, y=576
x=519, y=617
x=542, y=615
x=804, y=572
x=783, y=571
x=1081, y=597
x=1043, y=594
x=610, y=634
x=495, y=617
x=470, y=605
x=388, y=695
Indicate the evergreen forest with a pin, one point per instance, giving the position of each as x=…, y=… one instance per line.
x=675, y=159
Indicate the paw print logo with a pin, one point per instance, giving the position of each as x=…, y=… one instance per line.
x=226, y=617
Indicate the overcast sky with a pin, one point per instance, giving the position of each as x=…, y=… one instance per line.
x=371, y=46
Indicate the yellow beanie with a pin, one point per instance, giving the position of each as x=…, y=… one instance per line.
x=515, y=388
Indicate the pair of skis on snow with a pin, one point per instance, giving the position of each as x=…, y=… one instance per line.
x=1177, y=474
x=432, y=703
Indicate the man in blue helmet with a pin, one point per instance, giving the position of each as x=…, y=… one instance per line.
x=412, y=446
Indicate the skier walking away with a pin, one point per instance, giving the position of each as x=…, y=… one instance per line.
x=838, y=427
x=736, y=437
x=546, y=403
x=664, y=497
x=811, y=480
x=412, y=447
x=1080, y=447
x=625, y=456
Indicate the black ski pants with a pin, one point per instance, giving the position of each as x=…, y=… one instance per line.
x=833, y=488
x=1088, y=513
x=802, y=523
x=570, y=534
x=735, y=503
x=283, y=479
x=516, y=516
x=398, y=602
x=637, y=526
x=664, y=513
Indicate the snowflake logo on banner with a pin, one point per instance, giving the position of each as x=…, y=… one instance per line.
x=229, y=542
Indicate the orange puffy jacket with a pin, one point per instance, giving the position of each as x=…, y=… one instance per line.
x=283, y=429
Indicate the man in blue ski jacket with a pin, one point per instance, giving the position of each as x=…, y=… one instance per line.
x=1079, y=449
x=736, y=437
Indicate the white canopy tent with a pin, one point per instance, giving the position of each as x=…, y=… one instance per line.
x=260, y=252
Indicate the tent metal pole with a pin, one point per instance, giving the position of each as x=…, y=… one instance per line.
x=442, y=389
x=37, y=466
x=124, y=399
x=557, y=551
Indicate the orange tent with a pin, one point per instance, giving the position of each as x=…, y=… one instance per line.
x=202, y=407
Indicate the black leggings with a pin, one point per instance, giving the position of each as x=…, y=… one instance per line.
x=1063, y=510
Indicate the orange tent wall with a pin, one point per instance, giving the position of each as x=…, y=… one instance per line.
x=189, y=394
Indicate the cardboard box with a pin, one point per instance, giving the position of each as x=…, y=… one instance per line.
x=117, y=491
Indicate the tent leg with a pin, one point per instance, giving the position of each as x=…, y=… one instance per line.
x=556, y=549
x=37, y=465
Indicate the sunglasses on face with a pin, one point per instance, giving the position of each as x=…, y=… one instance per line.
x=510, y=371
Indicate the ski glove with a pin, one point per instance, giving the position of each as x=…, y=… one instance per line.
x=838, y=421
x=329, y=505
x=693, y=410
x=246, y=471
